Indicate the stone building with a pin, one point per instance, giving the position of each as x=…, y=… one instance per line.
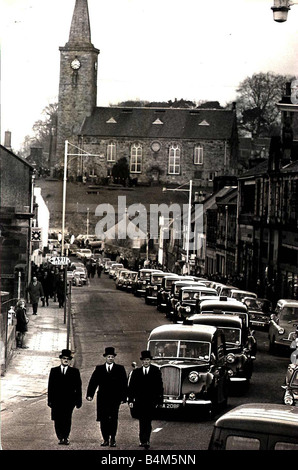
x=161, y=145
x=16, y=213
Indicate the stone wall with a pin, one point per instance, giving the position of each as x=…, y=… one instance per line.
x=217, y=160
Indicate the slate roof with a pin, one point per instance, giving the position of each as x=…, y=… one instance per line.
x=160, y=123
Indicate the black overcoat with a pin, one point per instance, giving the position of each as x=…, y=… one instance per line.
x=111, y=388
x=64, y=391
x=145, y=391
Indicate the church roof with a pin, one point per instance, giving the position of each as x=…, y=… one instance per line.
x=171, y=123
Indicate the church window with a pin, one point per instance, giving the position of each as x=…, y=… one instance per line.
x=198, y=155
x=174, y=160
x=136, y=159
x=111, y=152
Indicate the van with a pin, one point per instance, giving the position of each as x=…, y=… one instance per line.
x=256, y=426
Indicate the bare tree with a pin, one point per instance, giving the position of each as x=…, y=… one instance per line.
x=256, y=104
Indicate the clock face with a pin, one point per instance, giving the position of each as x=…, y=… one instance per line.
x=75, y=64
x=155, y=146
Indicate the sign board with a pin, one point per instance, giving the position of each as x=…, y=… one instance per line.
x=59, y=260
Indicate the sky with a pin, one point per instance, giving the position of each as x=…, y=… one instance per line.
x=153, y=50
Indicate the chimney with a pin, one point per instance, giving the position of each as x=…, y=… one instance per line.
x=7, y=140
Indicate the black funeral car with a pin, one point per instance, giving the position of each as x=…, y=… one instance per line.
x=192, y=361
x=239, y=343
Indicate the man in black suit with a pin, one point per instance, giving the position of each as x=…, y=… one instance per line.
x=145, y=392
x=111, y=381
x=64, y=393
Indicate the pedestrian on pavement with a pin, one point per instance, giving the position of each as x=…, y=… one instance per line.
x=46, y=285
x=145, y=393
x=22, y=323
x=99, y=269
x=35, y=292
x=111, y=381
x=64, y=394
x=60, y=289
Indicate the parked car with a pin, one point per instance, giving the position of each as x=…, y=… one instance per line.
x=113, y=268
x=192, y=362
x=291, y=380
x=81, y=273
x=121, y=275
x=259, y=311
x=165, y=289
x=282, y=324
x=225, y=305
x=143, y=277
x=129, y=280
x=84, y=253
x=256, y=426
x=241, y=294
x=173, y=298
x=154, y=285
x=240, y=343
x=225, y=290
x=107, y=265
x=188, y=298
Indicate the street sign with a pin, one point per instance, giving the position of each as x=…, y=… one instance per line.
x=59, y=260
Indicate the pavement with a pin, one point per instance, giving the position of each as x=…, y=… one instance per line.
x=28, y=370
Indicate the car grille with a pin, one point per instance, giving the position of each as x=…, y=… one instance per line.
x=171, y=380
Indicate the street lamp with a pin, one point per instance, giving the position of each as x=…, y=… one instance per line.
x=280, y=10
x=188, y=216
x=66, y=155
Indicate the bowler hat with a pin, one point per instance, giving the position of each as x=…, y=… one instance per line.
x=109, y=352
x=145, y=355
x=66, y=353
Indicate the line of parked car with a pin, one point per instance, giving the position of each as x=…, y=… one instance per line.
x=209, y=349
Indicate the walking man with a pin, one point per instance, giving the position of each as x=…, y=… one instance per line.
x=64, y=393
x=145, y=392
x=111, y=381
x=35, y=292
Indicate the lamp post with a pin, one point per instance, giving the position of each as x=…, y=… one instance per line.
x=280, y=10
x=66, y=155
x=188, y=217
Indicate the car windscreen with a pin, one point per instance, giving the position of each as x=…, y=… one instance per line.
x=289, y=314
x=232, y=335
x=155, y=279
x=184, y=349
x=144, y=275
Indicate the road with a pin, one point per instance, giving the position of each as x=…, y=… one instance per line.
x=104, y=316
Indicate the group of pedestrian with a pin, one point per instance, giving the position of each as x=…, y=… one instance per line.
x=142, y=390
x=47, y=283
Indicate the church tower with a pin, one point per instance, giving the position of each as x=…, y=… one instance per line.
x=78, y=78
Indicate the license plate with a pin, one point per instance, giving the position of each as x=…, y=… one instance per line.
x=171, y=405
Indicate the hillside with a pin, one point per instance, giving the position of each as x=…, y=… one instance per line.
x=78, y=200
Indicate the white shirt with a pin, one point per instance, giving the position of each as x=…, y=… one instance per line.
x=109, y=367
x=64, y=369
x=146, y=370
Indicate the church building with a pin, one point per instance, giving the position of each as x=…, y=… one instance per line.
x=161, y=145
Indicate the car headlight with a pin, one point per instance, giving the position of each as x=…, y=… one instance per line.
x=193, y=377
x=288, y=399
x=230, y=358
x=281, y=331
x=187, y=309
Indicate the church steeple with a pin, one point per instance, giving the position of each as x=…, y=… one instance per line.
x=80, y=32
x=78, y=77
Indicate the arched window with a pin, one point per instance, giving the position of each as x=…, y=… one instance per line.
x=174, y=160
x=111, y=152
x=136, y=159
